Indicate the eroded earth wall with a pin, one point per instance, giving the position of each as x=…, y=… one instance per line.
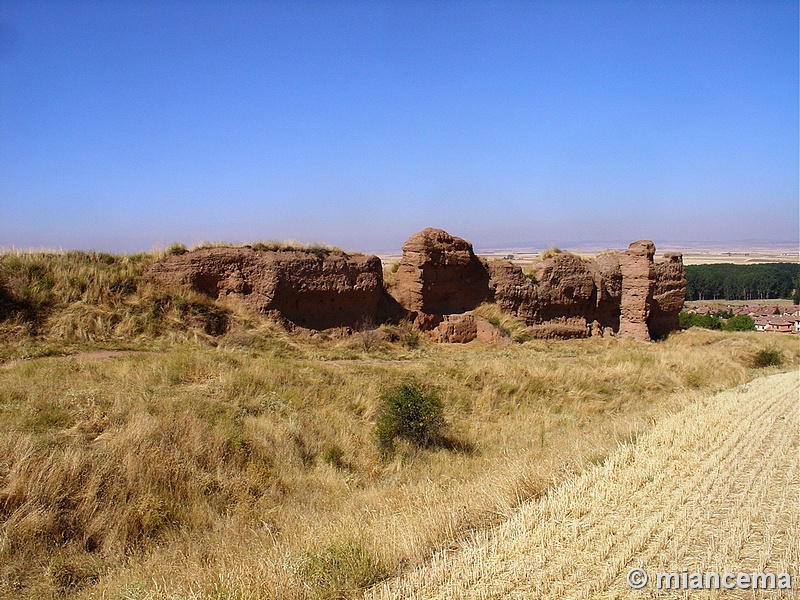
x=618, y=293
x=439, y=281
x=440, y=274
x=314, y=290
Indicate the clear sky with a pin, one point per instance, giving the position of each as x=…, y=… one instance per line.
x=125, y=126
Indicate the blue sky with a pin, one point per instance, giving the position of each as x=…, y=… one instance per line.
x=125, y=126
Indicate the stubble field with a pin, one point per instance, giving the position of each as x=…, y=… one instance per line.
x=713, y=488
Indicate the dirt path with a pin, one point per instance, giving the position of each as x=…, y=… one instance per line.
x=80, y=357
x=713, y=488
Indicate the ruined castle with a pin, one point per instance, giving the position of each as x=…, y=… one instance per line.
x=438, y=283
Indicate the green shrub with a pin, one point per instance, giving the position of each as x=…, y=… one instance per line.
x=769, y=357
x=740, y=323
x=412, y=412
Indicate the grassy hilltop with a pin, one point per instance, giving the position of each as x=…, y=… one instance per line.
x=220, y=457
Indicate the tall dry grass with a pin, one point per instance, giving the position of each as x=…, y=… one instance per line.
x=250, y=468
x=226, y=459
x=58, y=302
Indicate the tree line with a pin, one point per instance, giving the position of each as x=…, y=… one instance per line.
x=743, y=282
x=715, y=321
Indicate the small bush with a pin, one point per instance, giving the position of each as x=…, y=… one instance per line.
x=341, y=570
x=412, y=412
x=371, y=335
x=177, y=248
x=769, y=357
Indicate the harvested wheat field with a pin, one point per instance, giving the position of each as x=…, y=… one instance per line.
x=713, y=488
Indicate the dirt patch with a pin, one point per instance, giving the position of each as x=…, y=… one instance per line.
x=100, y=355
x=80, y=357
x=363, y=361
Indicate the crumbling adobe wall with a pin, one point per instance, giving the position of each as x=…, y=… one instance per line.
x=669, y=293
x=564, y=296
x=638, y=281
x=439, y=282
x=311, y=289
x=554, y=300
x=440, y=274
x=621, y=293
x=608, y=280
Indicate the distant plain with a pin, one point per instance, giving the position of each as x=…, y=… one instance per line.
x=693, y=254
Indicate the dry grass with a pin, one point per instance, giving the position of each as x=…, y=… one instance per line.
x=252, y=469
x=266, y=246
x=513, y=327
x=225, y=459
x=60, y=302
x=552, y=252
x=273, y=246
x=713, y=488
